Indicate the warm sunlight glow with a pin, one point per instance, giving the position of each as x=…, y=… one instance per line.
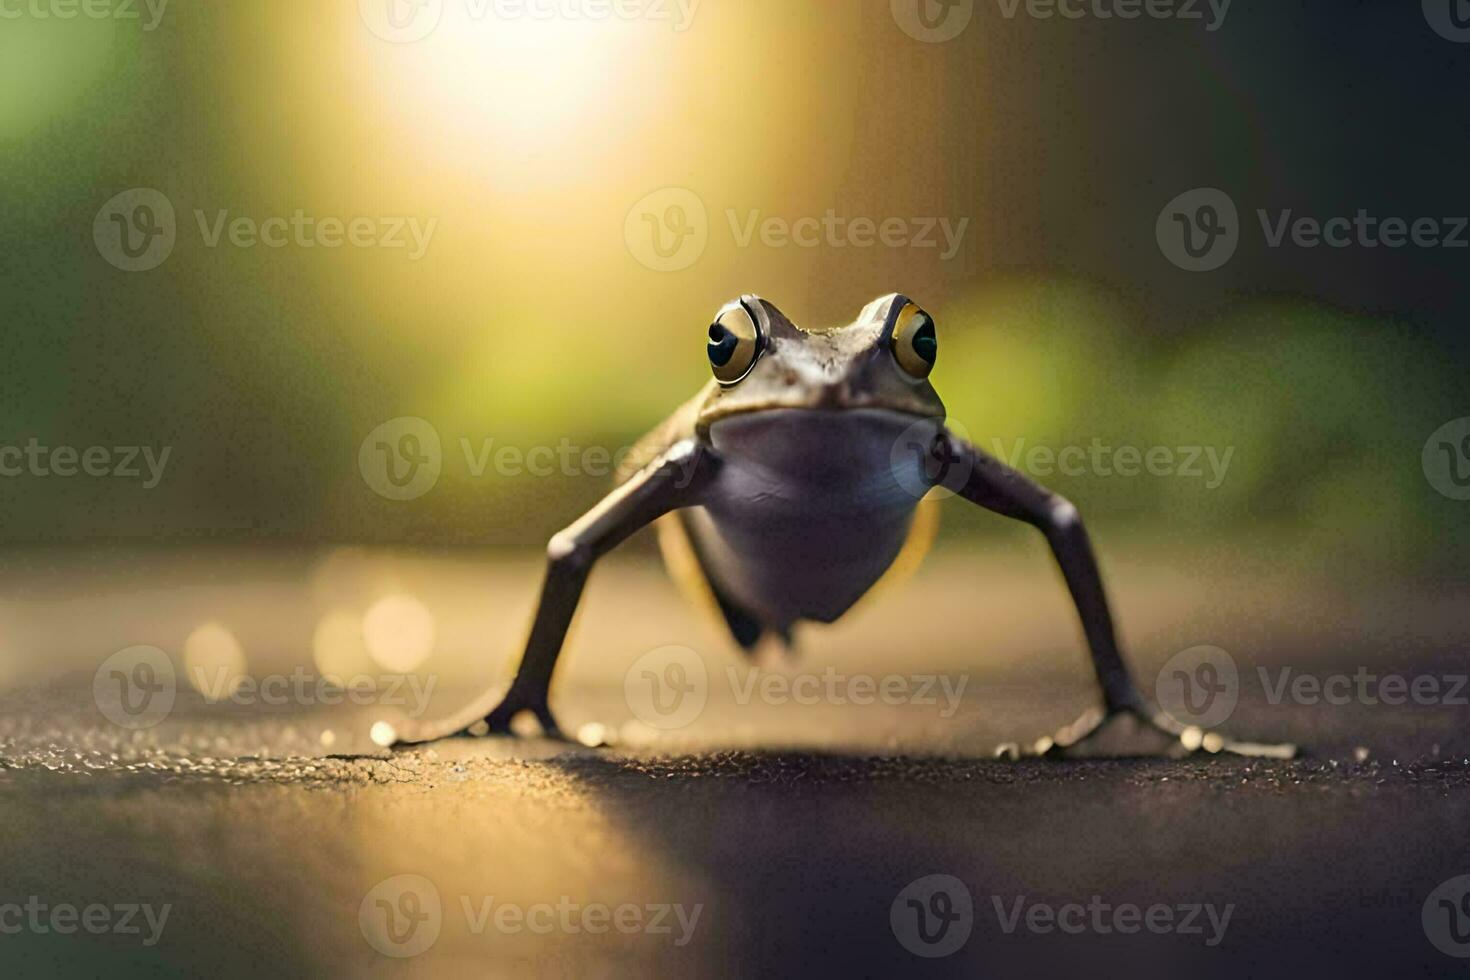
x=480, y=84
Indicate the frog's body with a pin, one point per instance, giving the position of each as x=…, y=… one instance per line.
x=788, y=486
x=790, y=530
x=811, y=505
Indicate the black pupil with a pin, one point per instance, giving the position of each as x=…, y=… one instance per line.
x=722, y=344
x=926, y=345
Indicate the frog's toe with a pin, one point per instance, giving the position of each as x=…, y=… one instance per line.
x=1101, y=733
x=512, y=717
x=525, y=718
x=1141, y=733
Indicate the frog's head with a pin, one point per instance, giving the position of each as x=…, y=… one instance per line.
x=881, y=361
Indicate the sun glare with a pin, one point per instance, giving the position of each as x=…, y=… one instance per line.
x=515, y=86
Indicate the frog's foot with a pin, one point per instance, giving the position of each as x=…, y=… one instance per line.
x=1139, y=732
x=504, y=719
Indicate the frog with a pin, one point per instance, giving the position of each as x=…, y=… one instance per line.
x=799, y=476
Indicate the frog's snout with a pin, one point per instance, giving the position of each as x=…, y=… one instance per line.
x=834, y=394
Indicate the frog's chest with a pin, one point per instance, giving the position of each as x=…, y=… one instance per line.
x=809, y=509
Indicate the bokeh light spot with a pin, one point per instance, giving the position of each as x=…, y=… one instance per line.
x=214, y=661
x=399, y=631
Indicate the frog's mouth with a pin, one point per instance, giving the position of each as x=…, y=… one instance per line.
x=837, y=447
x=831, y=401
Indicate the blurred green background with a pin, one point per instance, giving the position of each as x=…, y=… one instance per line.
x=530, y=319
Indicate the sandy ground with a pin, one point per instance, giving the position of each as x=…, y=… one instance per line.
x=759, y=838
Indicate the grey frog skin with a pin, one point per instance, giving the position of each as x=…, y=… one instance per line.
x=789, y=485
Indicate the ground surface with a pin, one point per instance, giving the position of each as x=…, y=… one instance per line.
x=790, y=830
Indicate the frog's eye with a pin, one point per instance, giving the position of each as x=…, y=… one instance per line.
x=734, y=344
x=915, y=345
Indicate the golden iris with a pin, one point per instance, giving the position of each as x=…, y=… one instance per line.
x=915, y=345
x=734, y=344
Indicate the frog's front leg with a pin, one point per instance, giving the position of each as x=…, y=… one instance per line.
x=984, y=480
x=674, y=480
